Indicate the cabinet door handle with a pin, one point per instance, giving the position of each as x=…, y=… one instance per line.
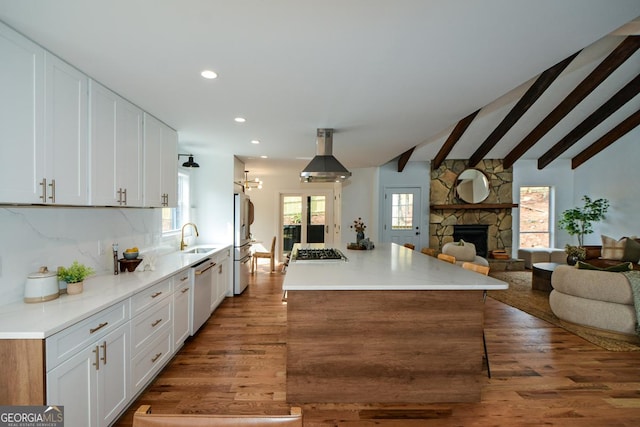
x=185, y=290
x=156, y=357
x=154, y=324
x=156, y=294
x=53, y=191
x=43, y=184
x=97, y=362
x=104, y=352
x=184, y=278
x=125, y=196
x=97, y=328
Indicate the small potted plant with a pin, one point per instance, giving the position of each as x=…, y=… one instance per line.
x=74, y=276
x=575, y=254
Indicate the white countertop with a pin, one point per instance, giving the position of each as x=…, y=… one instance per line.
x=387, y=267
x=40, y=320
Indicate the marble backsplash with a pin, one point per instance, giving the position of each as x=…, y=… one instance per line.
x=31, y=237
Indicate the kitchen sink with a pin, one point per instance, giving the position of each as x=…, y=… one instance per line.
x=199, y=250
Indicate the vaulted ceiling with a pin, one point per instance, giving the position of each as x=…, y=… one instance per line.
x=434, y=79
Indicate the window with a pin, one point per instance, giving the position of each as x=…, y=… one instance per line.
x=535, y=217
x=401, y=211
x=173, y=218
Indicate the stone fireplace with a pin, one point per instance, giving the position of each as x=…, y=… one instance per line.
x=448, y=211
x=476, y=234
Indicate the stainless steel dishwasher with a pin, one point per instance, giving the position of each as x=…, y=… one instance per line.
x=201, y=295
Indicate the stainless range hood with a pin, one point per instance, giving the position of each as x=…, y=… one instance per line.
x=324, y=167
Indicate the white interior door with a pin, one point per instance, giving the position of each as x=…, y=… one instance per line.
x=402, y=217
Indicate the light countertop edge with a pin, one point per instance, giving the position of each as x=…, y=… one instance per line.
x=387, y=267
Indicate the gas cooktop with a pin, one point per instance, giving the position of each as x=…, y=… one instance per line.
x=315, y=255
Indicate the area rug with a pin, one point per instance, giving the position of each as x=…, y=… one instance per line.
x=521, y=296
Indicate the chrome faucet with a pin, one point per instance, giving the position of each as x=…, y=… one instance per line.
x=182, y=244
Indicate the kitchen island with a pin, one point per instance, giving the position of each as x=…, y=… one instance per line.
x=390, y=325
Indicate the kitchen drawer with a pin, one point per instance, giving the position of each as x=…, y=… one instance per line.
x=146, y=326
x=64, y=344
x=145, y=365
x=181, y=280
x=144, y=299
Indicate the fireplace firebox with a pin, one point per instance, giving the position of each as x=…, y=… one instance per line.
x=476, y=234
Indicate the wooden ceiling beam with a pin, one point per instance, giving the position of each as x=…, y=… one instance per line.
x=457, y=132
x=606, y=140
x=623, y=96
x=541, y=84
x=404, y=158
x=616, y=58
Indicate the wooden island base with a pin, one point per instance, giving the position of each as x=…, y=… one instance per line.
x=384, y=346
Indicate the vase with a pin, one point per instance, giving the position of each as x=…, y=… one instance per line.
x=359, y=236
x=75, y=288
x=572, y=259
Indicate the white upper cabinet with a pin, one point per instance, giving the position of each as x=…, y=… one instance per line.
x=21, y=118
x=43, y=117
x=160, y=163
x=66, y=134
x=116, y=149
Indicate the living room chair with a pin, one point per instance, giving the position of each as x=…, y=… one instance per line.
x=410, y=246
x=447, y=258
x=271, y=255
x=144, y=418
x=482, y=270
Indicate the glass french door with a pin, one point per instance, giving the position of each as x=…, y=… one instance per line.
x=306, y=218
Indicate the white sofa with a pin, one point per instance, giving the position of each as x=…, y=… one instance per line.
x=598, y=299
x=535, y=255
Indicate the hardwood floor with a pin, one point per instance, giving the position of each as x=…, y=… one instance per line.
x=541, y=374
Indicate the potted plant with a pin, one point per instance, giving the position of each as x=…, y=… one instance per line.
x=577, y=221
x=575, y=254
x=74, y=276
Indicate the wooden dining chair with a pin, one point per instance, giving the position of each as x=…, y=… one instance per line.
x=482, y=269
x=271, y=255
x=428, y=251
x=144, y=418
x=410, y=246
x=447, y=258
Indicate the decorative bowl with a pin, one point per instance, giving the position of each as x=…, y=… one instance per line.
x=130, y=255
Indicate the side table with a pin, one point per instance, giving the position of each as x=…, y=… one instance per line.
x=541, y=275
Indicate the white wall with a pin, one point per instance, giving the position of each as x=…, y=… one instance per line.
x=212, y=196
x=613, y=174
x=360, y=200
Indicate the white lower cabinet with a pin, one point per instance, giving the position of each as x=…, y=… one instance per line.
x=92, y=385
x=182, y=288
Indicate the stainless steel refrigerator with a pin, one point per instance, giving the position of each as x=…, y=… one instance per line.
x=242, y=218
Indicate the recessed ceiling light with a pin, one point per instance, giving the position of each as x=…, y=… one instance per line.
x=208, y=74
x=264, y=157
x=240, y=119
x=255, y=141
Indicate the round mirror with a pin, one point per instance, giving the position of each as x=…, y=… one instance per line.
x=473, y=186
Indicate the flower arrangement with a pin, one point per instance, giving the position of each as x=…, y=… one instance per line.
x=75, y=273
x=358, y=225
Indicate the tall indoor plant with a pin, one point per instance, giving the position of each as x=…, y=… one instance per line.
x=577, y=221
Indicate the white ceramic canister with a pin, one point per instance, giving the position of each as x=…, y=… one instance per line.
x=41, y=286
